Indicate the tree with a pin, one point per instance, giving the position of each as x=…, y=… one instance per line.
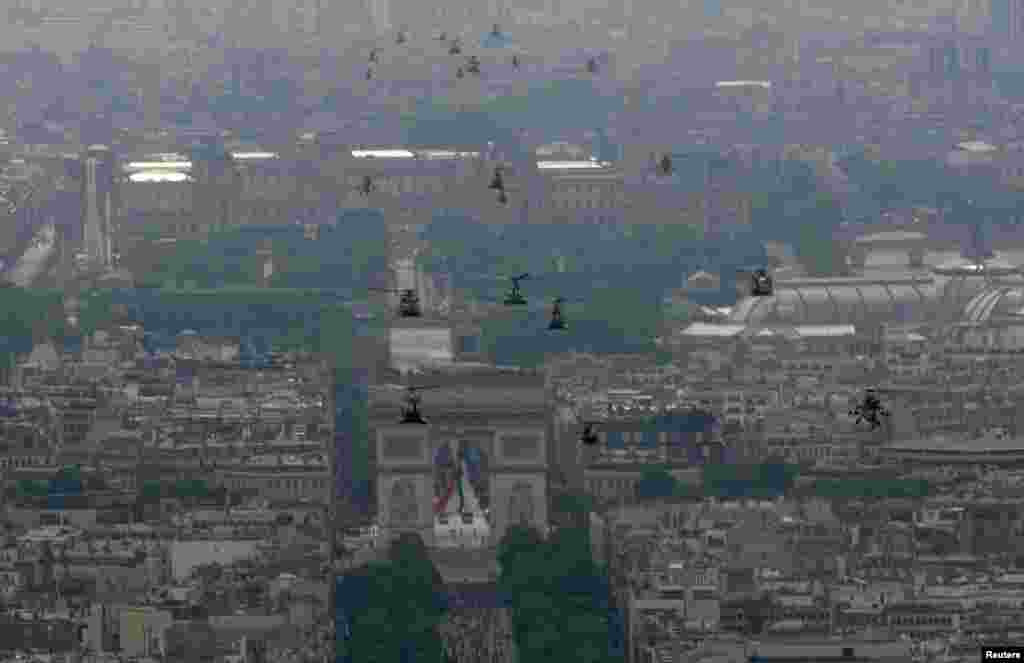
x=393, y=609
x=816, y=248
x=575, y=508
x=556, y=590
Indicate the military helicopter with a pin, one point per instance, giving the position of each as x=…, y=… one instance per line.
x=459, y=73
x=408, y=303
x=665, y=166
x=515, y=61
x=761, y=282
x=497, y=182
x=411, y=408
x=373, y=55
x=455, y=48
x=514, y=296
x=514, y=299
x=473, y=65
x=366, y=187
x=369, y=74
x=557, y=322
x=870, y=409
x=588, y=436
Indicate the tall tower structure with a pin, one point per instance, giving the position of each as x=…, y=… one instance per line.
x=98, y=203
x=380, y=14
x=216, y=184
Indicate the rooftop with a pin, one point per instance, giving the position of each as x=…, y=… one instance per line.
x=977, y=146
x=987, y=443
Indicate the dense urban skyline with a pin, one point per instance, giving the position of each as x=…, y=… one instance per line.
x=511, y=331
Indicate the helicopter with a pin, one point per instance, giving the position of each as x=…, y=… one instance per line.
x=473, y=65
x=761, y=282
x=514, y=299
x=369, y=74
x=459, y=73
x=408, y=304
x=373, y=55
x=455, y=48
x=665, y=167
x=557, y=322
x=515, y=61
x=514, y=296
x=411, y=408
x=870, y=410
x=497, y=183
x=588, y=436
x=366, y=187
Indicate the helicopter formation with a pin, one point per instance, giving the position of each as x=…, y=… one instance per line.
x=409, y=302
x=455, y=49
x=869, y=410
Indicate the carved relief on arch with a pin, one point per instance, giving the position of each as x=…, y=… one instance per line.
x=403, y=504
x=521, y=447
x=520, y=504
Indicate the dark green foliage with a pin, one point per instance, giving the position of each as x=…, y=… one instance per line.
x=191, y=488
x=765, y=480
x=28, y=315
x=344, y=256
x=33, y=488
x=559, y=596
x=816, y=248
x=393, y=609
x=616, y=280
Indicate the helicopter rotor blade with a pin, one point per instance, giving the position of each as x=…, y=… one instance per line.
x=424, y=387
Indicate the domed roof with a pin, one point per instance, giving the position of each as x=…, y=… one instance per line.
x=967, y=267
x=562, y=149
x=836, y=301
x=993, y=302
